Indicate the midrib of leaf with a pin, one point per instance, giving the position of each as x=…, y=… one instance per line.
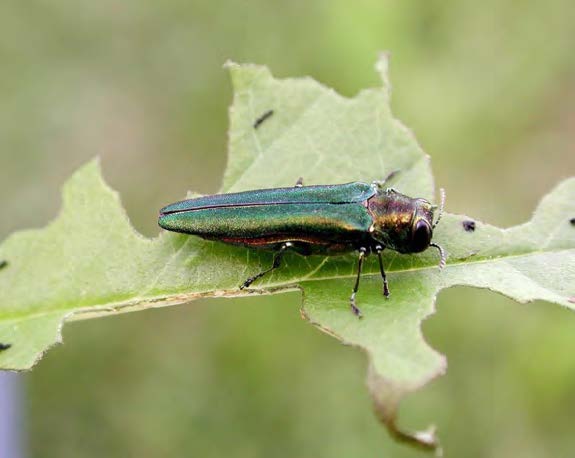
x=142, y=301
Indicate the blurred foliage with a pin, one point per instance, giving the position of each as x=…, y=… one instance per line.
x=488, y=89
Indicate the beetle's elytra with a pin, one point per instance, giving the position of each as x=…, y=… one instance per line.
x=326, y=219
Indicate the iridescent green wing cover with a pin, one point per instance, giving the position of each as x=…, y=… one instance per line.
x=333, y=194
x=325, y=218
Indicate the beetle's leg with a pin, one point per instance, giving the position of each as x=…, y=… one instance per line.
x=354, y=308
x=276, y=263
x=3, y=263
x=299, y=182
x=378, y=250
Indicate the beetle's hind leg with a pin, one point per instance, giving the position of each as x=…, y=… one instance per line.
x=356, y=311
x=276, y=263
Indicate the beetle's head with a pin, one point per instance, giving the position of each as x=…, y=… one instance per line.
x=401, y=223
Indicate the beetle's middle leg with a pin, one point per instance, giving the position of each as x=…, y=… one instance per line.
x=276, y=263
x=378, y=250
x=354, y=308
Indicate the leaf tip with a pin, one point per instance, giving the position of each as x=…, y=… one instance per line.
x=243, y=75
x=382, y=67
x=89, y=171
x=386, y=397
x=230, y=64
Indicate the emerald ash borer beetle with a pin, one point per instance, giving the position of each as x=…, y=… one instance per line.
x=312, y=220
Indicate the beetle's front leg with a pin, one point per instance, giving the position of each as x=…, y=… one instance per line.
x=354, y=308
x=276, y=263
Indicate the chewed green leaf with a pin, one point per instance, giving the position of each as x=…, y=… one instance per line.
x=533, y=261
x=90, y=261
x=317, y=134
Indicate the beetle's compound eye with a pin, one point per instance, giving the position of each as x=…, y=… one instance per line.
x=420, y=236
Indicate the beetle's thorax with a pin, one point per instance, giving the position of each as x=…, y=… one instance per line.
x=397, y=218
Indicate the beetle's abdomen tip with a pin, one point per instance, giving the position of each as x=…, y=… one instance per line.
x=161, y=221
x=166, y=221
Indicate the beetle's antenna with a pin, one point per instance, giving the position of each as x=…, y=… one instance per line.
x=380, y=183
x=442, y=193
x=441, y=254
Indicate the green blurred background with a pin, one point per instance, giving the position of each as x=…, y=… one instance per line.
x=488, y=88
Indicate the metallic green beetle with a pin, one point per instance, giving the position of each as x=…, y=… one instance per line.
x=326, y=219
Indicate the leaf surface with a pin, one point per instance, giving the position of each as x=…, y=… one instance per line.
x=90, y=261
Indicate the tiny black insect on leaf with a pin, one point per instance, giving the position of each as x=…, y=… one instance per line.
x=3, y=264
x=572, y=221
x=4, y=346
x=468, y=225
x=262, y=118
